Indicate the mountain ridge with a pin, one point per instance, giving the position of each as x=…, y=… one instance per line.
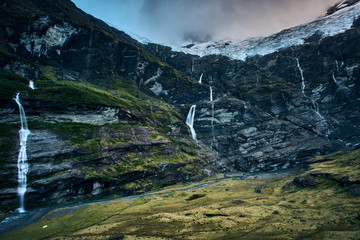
x=338, y=21
x=107, y=114
x=94, y=129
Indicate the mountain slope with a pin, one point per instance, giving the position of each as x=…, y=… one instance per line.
x=95, y=131
x=274, y=111
x=107, y=115
x=319, y=203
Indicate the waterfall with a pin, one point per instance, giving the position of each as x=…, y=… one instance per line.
x=90, y=40
x=322, y=123
x=335, y=81
x=212, y=117
x=89, y=55
x=302, y=76
x=31, y=85
x=22, y=158
x=200, y=79
x=190, y=121
x=212, y=111
x=192, y=65
x=316, y=109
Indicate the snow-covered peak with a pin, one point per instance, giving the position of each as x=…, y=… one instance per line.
x=139, y=38
x=330, y=25
x=341, y=5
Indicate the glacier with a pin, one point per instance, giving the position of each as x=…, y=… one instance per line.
x=325, y=26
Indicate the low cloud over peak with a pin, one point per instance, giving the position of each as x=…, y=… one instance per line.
x=176, y=21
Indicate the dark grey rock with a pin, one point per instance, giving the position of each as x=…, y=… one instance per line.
x=257, y=190
x=117, y=237
x=303, y=182
x=237, y=202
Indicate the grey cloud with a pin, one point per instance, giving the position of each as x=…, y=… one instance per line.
x=171, y=21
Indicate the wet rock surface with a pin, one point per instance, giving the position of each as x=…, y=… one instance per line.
x=266, y=113
x=263, y=118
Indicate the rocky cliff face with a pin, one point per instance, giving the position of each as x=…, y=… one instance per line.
x=274, y=111
x=97, y=126
x=107, y=115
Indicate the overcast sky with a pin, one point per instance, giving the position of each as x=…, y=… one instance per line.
x=175, y=21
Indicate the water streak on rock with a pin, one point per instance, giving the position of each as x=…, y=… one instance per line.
x=22, y=164
x=190, y=121
x=200, y=79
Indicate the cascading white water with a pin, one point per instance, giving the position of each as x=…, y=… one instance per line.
x=89, y=55
x=322, y=123
x=316, y=109
x=31, y=85
x=200, y=79
x=190, y=121
x=212, y=117
x=212, y=110
x=302, y=76
x=334, y=78
x=22, y=158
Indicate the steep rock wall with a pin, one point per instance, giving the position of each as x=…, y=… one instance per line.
x=302, y=101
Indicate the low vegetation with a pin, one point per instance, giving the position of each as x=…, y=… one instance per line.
x=275, y=208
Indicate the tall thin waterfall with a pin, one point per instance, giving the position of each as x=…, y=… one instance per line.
x=31, y=85
x=335, y=80
x=22, y=158
x=212, y=117
x=200, y=79
x=89, y=55
x=212, y=110
x=322, y=123
x=190, y=121
x=302, y=76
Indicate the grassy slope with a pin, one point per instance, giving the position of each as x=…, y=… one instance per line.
x=146, y=112
x=226, y=210
x=156, y=117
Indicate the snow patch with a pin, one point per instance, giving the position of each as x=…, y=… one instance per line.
x=157, y=89
x=155, y=77
x=326, y=26
x=55, y=36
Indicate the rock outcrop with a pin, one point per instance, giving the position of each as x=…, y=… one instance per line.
x=276, y=110
x=107, y=115
x=94, y=130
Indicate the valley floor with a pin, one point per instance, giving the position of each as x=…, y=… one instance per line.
x=321, y=202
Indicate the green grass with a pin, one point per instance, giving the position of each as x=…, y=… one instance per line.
x=11, y=84
x=4, y=52
x=79, y=135
x=52, y=89
x=339, y=164
x=76, y=93
x=124, y=140
x=226, y=210
x=143, y=162
x=118, y=92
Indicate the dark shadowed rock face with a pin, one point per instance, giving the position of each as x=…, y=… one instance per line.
x=97, y=125
x=266, y=115
x=108, y=114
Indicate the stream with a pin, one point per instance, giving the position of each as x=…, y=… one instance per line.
x=18, y=220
